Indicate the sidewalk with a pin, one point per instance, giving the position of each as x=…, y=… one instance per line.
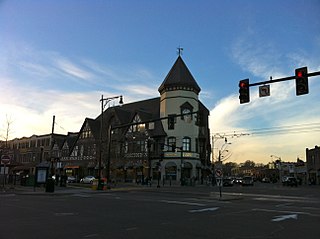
x=69, y=189
x=195, y=191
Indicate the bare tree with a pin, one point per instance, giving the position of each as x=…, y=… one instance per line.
x=7, y=132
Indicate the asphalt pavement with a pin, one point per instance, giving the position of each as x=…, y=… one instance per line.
x=137, y=211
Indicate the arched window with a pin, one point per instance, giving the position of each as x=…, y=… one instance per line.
x=186, y=144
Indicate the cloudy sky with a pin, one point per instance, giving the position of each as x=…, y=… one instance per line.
x=58, y=57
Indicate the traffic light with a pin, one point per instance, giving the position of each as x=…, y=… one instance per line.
x=302, y=86
x=244, y=92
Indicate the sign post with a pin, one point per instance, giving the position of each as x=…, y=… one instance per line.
x=5, y=159
x=219, y=177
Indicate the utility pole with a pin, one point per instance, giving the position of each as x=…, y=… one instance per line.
x=52, y=143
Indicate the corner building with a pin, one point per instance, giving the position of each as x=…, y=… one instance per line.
x=166, y=138
x=187, y=144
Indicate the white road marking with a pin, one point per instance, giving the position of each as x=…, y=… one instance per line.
x=284, y=217
x=280, y=211
x=204, y=209
x=81, y=195
x=184, y=203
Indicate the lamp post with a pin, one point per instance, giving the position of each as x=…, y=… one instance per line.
x=104, y=102
x=219, y=170
x=278, y=161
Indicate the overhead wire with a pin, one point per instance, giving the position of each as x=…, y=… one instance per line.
x=287, y=129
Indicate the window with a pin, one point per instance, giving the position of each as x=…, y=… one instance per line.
x=186, y=110
x=171, y=121
x=136, y=127
x=86, y=132
x=186, y=144
x=171, y=144
x=186, y=115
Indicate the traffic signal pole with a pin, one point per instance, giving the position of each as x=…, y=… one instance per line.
x=301, y=77
x=316, y=73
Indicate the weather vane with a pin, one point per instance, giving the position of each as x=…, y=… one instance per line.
x=180, y=49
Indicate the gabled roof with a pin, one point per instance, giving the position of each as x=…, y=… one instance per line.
x=95, y=127
x=146, y=109
x=59, y=139
x=71, y=139
x=179, y=76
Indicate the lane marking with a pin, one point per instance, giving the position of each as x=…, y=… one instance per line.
x=280, y=211
x=284, y=217
x=183, y=203
x=204, y=209
x=81, y=195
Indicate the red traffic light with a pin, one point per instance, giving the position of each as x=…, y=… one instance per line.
x=302, y=86
x=244, y=93
x=243, y=84
x=299, y=74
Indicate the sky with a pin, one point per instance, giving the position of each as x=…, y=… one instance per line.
x=59, y=57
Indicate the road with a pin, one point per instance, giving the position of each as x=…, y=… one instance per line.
x=261, y=211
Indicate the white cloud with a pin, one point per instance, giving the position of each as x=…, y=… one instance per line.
x=31, y=105
x=73, y=70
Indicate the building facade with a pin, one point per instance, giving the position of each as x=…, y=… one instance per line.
x=166, y=138
x=313, y=165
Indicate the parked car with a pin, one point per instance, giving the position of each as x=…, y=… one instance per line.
x=87, y=179
x=266, y=180
x=290, y=181
x=71, y=179
x=227, y=182
x=238, y=180
x=247, y=181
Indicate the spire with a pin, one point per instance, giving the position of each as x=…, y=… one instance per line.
x=179, y=78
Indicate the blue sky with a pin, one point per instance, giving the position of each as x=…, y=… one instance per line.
x=58, y=57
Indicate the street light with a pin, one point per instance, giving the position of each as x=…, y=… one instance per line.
x=278, y=161
x=104, y=102
x=223, y=149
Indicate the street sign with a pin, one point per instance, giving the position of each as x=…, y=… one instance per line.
x=219, y=173
x=264, y=91
x=5, y=159
x=219, y=182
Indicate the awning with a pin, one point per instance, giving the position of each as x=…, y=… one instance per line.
x=72, y=166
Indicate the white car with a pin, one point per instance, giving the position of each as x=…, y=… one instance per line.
x=87, y=179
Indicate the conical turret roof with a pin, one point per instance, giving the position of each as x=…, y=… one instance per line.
x=179, y=78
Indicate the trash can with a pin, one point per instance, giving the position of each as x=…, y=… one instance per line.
x=50, y=185
x=99, y=184
x=102, y=184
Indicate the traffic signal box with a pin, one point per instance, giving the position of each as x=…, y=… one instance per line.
x=302, y=86
x=244, y=92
